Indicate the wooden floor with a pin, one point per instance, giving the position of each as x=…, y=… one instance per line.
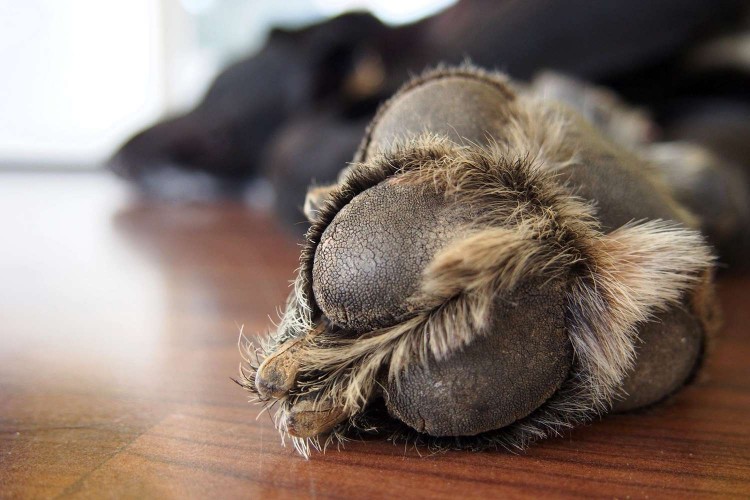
x=118, y=329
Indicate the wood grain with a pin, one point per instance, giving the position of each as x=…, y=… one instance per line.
x=118, y=328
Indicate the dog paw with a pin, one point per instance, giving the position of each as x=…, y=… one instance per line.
x=464, y=290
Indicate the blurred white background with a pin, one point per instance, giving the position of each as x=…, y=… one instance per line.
x=80, y=76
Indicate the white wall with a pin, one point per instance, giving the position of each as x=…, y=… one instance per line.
x=77, y=77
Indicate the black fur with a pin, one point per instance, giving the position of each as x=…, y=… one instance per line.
x=296, y=86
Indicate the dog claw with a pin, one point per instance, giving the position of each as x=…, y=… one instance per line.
x=277, y=374
x=308, y=418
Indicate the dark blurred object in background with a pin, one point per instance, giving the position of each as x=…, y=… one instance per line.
x=295, y=112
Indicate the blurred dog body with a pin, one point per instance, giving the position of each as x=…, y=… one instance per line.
x=295, y=112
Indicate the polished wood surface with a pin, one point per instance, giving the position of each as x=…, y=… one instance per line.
x=119, y=321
